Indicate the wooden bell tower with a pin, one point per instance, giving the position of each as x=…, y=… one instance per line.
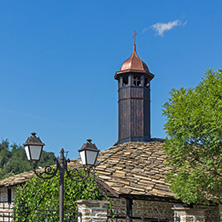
x=134, y=99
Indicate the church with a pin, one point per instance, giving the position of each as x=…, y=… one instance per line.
x=132, y=172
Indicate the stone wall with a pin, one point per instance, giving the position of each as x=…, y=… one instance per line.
x=92, y=210
x=163, y=210
x=5, y=205
x=143, y=209
x=6, y=210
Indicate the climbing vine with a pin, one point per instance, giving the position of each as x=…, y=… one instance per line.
x=38, y=199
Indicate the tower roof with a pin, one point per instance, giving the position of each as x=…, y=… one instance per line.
x=134, y=64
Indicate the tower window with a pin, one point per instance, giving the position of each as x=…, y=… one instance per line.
x=146, y=82
x=125, y=81
x=136, y=81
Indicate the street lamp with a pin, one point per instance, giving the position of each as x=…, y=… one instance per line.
x=88, y=154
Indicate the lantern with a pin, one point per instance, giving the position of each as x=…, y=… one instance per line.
x=33, y=148
x=88, y=153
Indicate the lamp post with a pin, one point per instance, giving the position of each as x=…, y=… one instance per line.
x=88, y=154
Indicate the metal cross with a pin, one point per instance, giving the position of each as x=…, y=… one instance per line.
x=134, y=36
x=136, y=81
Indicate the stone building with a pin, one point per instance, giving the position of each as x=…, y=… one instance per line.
x=132, y=172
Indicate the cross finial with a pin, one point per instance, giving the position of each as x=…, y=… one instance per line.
x=134, y=36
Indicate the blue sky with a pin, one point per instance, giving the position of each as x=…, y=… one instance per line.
x=58, y=60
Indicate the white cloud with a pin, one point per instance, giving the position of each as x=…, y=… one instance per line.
x=160, y=28
x=144, y=30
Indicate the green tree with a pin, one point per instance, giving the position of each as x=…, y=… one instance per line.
x=40, y=198
x=194, y=143
x=13, y=159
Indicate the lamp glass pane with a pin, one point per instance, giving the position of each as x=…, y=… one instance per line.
x=91, y=157
x=27, y=152
x=83, y=157
x=35, y=152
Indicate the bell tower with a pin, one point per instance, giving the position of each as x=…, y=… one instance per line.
x=134, y=99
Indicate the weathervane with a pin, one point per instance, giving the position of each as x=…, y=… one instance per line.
x=134, y=36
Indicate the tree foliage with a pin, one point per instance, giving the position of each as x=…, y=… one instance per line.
x=40, y=196
x=194, y=144
x=13, y=159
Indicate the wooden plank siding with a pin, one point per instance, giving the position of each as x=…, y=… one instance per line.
x=134, y=113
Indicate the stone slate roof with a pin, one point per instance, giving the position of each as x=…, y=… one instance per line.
x=16, y=179
x=133, y=168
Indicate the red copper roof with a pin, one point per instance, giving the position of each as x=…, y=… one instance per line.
x=134, y=63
